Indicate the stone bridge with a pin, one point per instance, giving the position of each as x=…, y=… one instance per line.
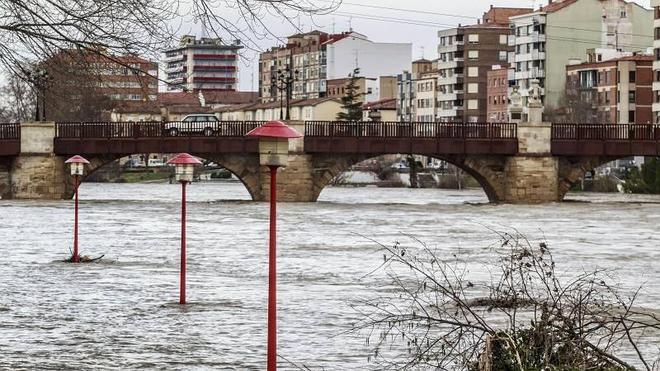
x=531, y=162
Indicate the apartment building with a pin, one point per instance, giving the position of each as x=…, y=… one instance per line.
x=426, y=97
x=406, y=89
x=497, y=91
x=613, y=91
x=466, y=54
x=309, y=60
x=545, y=40
x=206, y=64
x=656, y=64
x=368, y=89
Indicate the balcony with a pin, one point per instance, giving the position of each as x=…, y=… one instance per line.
x=656, y=86
x=173, y=58
x=656, y=107
x=447, y=97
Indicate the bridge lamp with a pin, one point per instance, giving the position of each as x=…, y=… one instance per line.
x=273, y=152
x=184, y=171
x=77, y=164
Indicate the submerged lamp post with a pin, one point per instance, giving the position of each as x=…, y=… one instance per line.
x=77, y=164
x=273, y=152
x=184, y=172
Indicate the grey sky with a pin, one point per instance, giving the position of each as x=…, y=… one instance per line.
x=423, y=37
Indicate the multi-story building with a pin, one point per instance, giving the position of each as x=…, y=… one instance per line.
x=82, y=85
x=497, y=91
x=313, y=58
x=368, y=89
x=610, y=92
x=545, y=40
x=202, y=64
x=405, y=90
x=466, y=54
x=656, y=64
x=426, y=96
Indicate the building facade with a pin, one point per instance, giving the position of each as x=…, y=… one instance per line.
x=656, y=64
x=497, y=91
x=466, y=54
x=309, y=60
x=204, y=64
x=406, y=89
x=611, y=92
x=545, y=40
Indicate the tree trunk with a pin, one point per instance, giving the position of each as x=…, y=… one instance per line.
x=412, y=163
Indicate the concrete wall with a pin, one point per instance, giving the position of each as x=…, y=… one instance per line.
x=374, y=59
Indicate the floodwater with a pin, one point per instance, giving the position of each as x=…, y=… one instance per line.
x=122, y=312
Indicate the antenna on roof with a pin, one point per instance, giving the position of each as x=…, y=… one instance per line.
x=333, y=25
x=350, y=24
x=203, y=27
x=422, y=51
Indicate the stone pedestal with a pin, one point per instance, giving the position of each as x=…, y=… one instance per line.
x=37, y=173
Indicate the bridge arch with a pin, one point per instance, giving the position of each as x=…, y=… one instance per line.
x=488, y=171
x=572, y=169
x=245, y=168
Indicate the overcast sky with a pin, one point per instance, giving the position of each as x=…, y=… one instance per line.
x=395, y=25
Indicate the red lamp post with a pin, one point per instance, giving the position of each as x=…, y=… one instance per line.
x=273, y=152
x=77, y=164
x=185, y=170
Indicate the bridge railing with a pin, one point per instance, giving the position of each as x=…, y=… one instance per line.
x=383, y=129
x=11, y=131
x=577, y=132
x=153, y=129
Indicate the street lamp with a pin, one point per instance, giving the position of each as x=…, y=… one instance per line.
x=273, y=152
x=39, y=78
x=77, y=164
x=184, y=172
x=282, y=82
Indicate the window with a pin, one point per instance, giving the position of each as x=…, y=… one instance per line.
x=503, y=39
x=473, y=38
x=473, y=71
x=473, y=88
x=503, y=55
x=631, y=97
x=631, y=76
x=473, y=54
x=631, y=117
x=473, y=104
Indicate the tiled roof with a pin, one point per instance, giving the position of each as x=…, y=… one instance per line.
x=557, y=5
x=383, y=104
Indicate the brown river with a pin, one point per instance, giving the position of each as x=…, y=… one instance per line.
x=122, y=314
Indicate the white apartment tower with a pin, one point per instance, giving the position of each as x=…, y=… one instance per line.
x=202, y=64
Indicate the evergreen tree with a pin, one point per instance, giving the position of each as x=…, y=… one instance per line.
x=645, y=181
x=351, y=103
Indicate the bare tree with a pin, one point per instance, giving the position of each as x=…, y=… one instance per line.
x=17, y=100
x=526, y=318
x=35, y=29
x=577, y=105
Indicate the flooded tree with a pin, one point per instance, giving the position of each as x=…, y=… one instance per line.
x=526, y=318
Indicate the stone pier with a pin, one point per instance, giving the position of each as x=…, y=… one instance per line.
x=37, y=173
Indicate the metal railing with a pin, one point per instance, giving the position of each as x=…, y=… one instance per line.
x=154, y=129
x=11, y=131
x=649, y=132
x=430, y=130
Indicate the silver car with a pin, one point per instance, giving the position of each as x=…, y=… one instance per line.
x=197, y=124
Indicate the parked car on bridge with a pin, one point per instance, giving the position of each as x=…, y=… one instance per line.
x=197, y=124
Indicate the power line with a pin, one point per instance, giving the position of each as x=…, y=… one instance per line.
x=416, y=11
x=414, y=22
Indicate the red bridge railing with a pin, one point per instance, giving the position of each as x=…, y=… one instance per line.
x=420, y=130
x=156, y=129
x=10, y=139
x=11, y=131
x=609, y=132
